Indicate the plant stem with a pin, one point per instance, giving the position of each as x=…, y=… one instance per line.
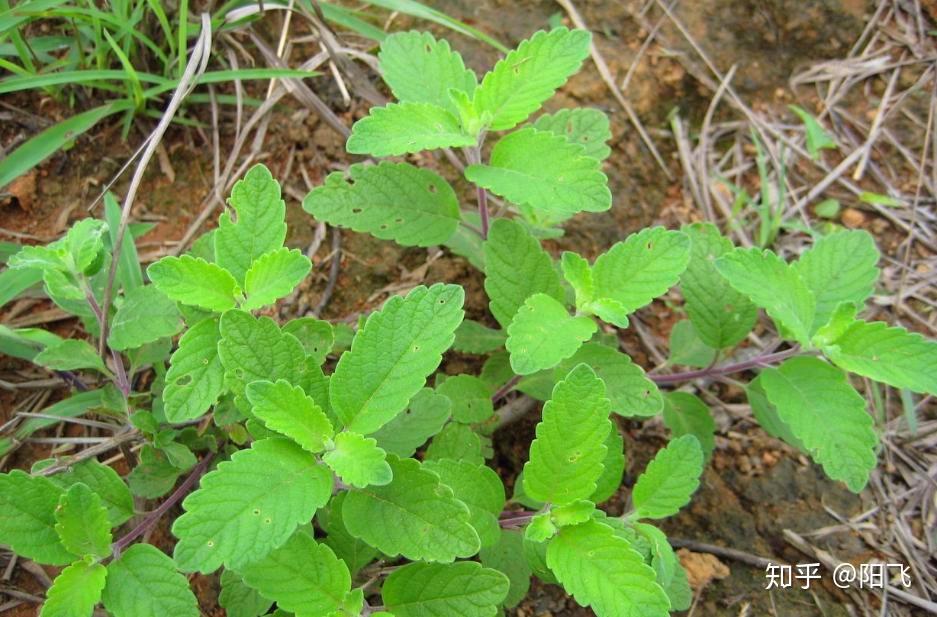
x=726, y=369
x=153, y=517
x=507, y=387
x=521, y=519
x=483, y=209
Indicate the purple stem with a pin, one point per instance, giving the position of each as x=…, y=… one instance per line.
x=153, y=517
x=483, y=210
x=725, y=369
x=503, y=390
x=521, y=519
x=120, y=374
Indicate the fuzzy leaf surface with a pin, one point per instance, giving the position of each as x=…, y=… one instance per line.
x=390, y=201
x=273, y=276
x=687, y=414
x=478, y=487
x=70, y=355
x=669, y=480
x=240, y=600
x=358, y=461
x=470, y=397
x=288, y=410
x=253, y=349
x=464, y=588
x=507, y=556
x=249, y=505
x=75, y=591
x=144, y=582
x=27, y=518
x=475, y=338
x=195, y=378
x=543, y=334
x=403, y=128
x=194, y=281
x=391, y=356
x=585, y=126
x=425, y=416
x=105, y=482
x=82, y=524
x=145, y=316
x=630, y=391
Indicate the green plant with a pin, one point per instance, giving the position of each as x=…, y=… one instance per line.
x=320, y=495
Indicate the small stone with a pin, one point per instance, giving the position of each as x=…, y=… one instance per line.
x=853, y=218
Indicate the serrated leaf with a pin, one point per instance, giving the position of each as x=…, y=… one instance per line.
x=253, y=349
x=475, y=338
x=390, y=201
x=70, y=355
x=27, y=518
x=479, y=488
x=516, y=267
x=840, y=267
x=420, y=69
x=258, y=226
x=81, y=523
x=164, y=592
x=566, y=457
x=288, y=410
x=75, y=591
x=145, y=316
x=603, y=572
x=273, y=276
x=355, y=553
x=249, y=506
x=403, y=128
x=302, y=576
x=687, y=348
x=669, y=480
x=827, y=415
x=767, y=414
x=507, y=556
x=721, y=315
x=424, y=417
x=465, y=588
x=358, y=461
x=529, y=75
x=543, y=334
x=195, y=378
x=642, y=267
x=155, y=475
x=415, y=516
x=458, y=442
x=889, y=354
x=630, y=391
x=196, y=282
x=584, y=126
x=470, y=398
x=392, y=355
x=315, y=335
x=666, y=565
x=105, y=482
x=544, y=171
x=613, y=468
x=687, y=414
x=578, y=274
x=238, y=599
x=773, y=285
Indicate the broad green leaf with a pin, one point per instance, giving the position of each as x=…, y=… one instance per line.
x=507, y=556
x=535, y=554
x=390, y=201
x=827, y=415
x=840, y=267
x=669, y=480
x=145, y=316
x=516, y=267
x=315, y=335
x=425, y=416
x=578, y=273
x=355, y=553
x=817, y=137
x=470, y=397
x=603, y=572
x=667, y=566
x=27, y=518
x=475, y=338
x=75, y=591
x=358, y=461
x=82, y=245
x=679, y=591
x=420, y=69
x=288, y=410
x=238, y=599
x=767, y=414
x=81, y=522
x=642, y=267
x=529, y=75
x=687, y=414
x=773, y=285
x=403, y=128
x=155, y=475
x=302, y=576
x=273, y=276
x=628, y=388
x=613, y=468
x=544, y=171
x=721, y=315
x=479, y=488
x=194, y=281
x=392, y=354
x=257, y=227
x=144, y=582
x=891, y=355
x=195, y=378
x=585, y=126
x=253, y=349
x=249, y=506
x=464, y=588
x=415, y=516
x=70, y=355
x=574, y=513
x=458, y=442
x=105, y=482
x=566, y=457
x=543, y=334
x=687, y=348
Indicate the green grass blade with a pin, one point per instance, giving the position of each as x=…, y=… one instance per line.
x=135, y=87
x=349, y=19
x=29, y=82
x=421, y=11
